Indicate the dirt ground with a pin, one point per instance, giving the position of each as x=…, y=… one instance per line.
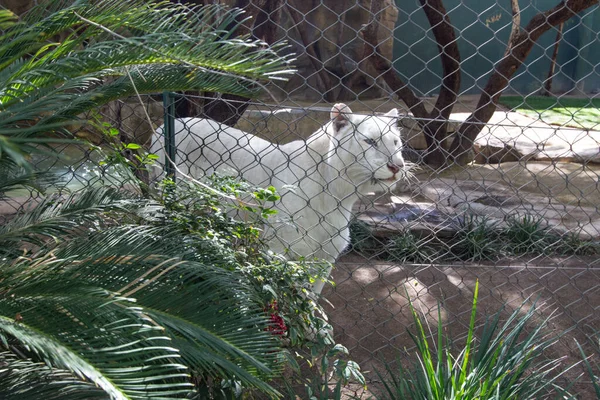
x=369, y=310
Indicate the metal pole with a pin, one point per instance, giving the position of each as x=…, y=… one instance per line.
x=169, y=132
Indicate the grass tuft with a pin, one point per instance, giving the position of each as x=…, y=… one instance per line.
x=408, y=248
x=528, y=234
x=477, y=239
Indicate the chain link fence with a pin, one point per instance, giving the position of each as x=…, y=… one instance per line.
x=520, y=217
x=518, y=209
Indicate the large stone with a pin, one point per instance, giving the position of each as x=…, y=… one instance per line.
x=17, y=6
x=510, y=136
x=129, y=117
x=564, y=195
x=330, y=28
x=283, y=125
x=413, y=136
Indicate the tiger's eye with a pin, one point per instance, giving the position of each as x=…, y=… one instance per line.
x=371, y=142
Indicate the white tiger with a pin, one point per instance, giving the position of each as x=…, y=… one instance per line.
x=319, y=179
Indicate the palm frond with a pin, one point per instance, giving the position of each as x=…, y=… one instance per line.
x=116, y=49
x=7, y=19
x=210, y=316
x=94, y=333
x=14, y=177
x=25, y=379
x=63, y=217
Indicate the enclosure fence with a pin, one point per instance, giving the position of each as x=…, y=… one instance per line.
x=517, y=210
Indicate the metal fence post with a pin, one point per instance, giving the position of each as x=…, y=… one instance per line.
x=169, y=132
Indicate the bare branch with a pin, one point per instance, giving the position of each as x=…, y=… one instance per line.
x=516, y=26
x=547, y=90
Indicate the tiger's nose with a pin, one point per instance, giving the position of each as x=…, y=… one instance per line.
x=394, y=168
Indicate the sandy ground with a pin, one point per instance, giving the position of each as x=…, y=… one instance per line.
x=370, y=314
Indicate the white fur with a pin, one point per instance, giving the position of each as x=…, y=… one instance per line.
x=319, y=179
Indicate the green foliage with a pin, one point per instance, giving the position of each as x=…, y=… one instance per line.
x=477, y=238
x=155, y=298
x=408, y=248
x=106, y=293
x=572, y=243
x=506, y=361
x=591, y=363
x=209, y=233
x=110, y=298
x=68, y=57
x=318, y=385
x=362, y=239
x=528, y=234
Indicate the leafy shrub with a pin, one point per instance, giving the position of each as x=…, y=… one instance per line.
x=572, y=243
x=227, y=234
x=187, y=291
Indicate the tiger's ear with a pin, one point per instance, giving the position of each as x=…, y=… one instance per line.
x=340, y=115
x=393, y=113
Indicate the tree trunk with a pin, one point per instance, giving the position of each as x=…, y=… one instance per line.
x=518, y=49
x=436, y=129
x=263, y=19
x=323, y=79
x=433, y=123
x=384, y=67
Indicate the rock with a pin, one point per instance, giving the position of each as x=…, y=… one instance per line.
x=283, y=125
x=510, y=136
x=565, y=195
x=18, y=6
x=331, y=28
x=490, y=154
x=413, y=136
x=397, y=216
x=130, y=117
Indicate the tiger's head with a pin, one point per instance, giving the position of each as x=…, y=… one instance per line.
x=365, y=150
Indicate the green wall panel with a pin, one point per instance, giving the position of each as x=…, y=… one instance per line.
x=482, y=28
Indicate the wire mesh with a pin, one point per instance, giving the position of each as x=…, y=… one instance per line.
x=521, y=216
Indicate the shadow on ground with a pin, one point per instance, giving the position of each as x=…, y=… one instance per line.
x=370, y=314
